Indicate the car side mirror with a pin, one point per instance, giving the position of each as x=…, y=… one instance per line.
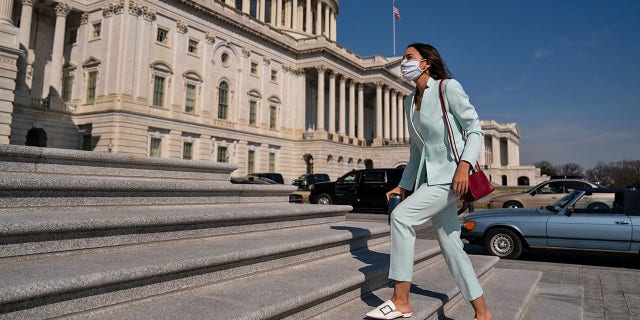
x=570, y=210
x=339, y=180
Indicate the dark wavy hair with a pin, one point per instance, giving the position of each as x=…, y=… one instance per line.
x=438, y=69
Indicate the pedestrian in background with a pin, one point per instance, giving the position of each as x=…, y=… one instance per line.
x=436, y=179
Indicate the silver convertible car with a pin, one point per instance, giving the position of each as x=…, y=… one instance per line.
x=570, y=223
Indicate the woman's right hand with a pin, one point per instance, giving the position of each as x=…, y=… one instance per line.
x=397, y=190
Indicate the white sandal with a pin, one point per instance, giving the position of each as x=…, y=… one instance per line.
x=387, y=310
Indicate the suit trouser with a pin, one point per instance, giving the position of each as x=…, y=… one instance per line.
x=437, y=203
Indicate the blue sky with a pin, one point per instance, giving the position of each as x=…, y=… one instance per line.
x=567, y=72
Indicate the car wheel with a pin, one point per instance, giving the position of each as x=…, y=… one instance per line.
x=598, y=206
x=512, y=204
x=324, y=199
x=503, y=243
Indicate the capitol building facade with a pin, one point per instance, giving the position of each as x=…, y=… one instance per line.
x=261, y=84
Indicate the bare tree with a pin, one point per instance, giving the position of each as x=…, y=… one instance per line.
x=602, y=173
x=570, y=169
x=545, y=167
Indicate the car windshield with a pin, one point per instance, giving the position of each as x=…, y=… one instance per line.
x=534, y=187
x=302, y=177
x=598, y=185
x=564, y=201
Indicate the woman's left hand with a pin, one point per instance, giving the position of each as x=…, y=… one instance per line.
x=461, y=178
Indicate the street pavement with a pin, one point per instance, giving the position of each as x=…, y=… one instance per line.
x=611, y=281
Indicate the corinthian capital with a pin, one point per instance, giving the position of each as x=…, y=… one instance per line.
x=62, y=9
x=29, y=2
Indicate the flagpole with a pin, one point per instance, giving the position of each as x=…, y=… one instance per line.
x=393, y=17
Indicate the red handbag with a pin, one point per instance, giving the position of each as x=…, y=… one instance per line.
x=479, y=185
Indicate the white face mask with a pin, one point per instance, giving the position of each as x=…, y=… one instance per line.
x=411, y=69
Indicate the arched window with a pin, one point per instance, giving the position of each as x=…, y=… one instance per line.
x=223, y=100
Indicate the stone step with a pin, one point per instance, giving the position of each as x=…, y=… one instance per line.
x=292, y=291
x=30, y=231
x=19, y=189
x=36, y=160
x=432, y=288
x=556, y=301
x=508, y=293
x=59, y=285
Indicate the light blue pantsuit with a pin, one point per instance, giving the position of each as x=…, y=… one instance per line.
x=429, y=173
x=438, y=204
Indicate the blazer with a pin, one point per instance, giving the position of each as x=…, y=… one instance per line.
x=431, y=158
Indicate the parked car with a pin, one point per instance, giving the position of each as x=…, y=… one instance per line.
x=542, y=194
x=362, y=189
x=572, y=222
x=306, y=180
x=296, y=198
x=269, y=175
x=252, y=180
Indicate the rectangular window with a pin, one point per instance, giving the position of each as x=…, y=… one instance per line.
x=155, y=149
x=96, y=29
x=254, y=68
x=162, y=36
x=272, y=162
x=222, y=155
x=252, y=112
x=187, y=150
x=223, y=98
x=158, y=91
x=91, y=86
x=274, y=76
x=67, y=87
x=193, y=46
x=273, y=111
x=251, y=161
x=190, y=100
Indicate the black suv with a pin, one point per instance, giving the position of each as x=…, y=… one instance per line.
x=307, y=180
x=362, y=189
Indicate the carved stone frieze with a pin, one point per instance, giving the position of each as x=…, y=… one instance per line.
x=246, y=52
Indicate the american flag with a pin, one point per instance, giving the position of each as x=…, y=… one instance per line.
x=396, y=12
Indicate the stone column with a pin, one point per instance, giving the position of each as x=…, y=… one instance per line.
x=401, y=117
x=325, y=31
x=263, y=8
x=309, y=17
x=6, y=11
x=378, y=136
x=279, y=13
x=25, y=23
x=360, y=111
x=320, y=114
x=334, y=27
x=352, y=109
x=62, y=10
x=9, y=53
x=342, y=130
x=318, y=18
x=394, y=116
x=287, y=14
x=300, y=109
x=332, y=102
x=386, y=117
x=294, y=13
x=246, y=6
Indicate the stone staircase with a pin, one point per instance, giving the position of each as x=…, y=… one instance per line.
x=113, y=236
